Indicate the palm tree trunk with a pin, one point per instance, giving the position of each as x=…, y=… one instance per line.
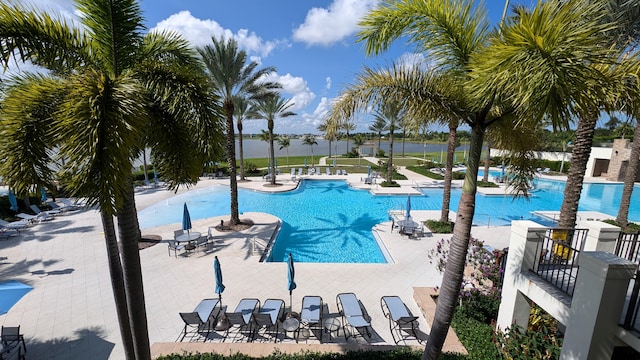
x=379, y=139
x=629, y=179
x=117, y=284
x=452, y=278
x=448, y=173
x=579, y=157
x=404, y=136
x=272, y=155
x=129, y=237
x=144, y=164
x=330, y=148
x=240, y=150
x=231, y=155
x=390, y=162
x=487, y=162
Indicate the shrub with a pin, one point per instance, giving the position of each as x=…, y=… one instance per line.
x=631, y=228
x=250, y=167
x=389, y=184
x=397, y=354
x=487, y=184
x=440, y=227
x=476, y=336
x=380, y=153
x=516, y=343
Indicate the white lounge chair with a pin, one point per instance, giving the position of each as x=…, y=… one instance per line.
x=318, y=170
x=37, y=210
x=293, y=174
x=402, y=324
x=35, y=218
x=311, y=314
x=328, y=171
x=14, y=225
x=201, y=320
x=299, y=172
x=268, y=317
x=353, y=314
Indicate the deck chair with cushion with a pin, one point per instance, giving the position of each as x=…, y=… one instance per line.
x=293, y=173
x=242, y=318
x=12, y=340
x=37, y=210
x=354, y=314
x=402, y=324
x=34, y=218
x=311, y=314
x=201, y=320
x=268, y=318
x=14, y=225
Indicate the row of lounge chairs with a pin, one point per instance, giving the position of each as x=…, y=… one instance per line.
x=251, y=321
x=13, y=228
x=315, y=171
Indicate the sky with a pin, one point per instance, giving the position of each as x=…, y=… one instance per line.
x=311, y=43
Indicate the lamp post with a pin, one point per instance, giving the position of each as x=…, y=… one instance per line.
x=424, y=151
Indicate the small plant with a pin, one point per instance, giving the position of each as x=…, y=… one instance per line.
x=440, y=227
x=250, y=167
x=487, y=184
x=389, y=184
x=517, y=343
x=380, y=153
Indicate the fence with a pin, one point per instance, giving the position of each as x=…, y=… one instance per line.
x=628, y=247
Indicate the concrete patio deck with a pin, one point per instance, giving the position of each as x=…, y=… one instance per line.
x=70, y=313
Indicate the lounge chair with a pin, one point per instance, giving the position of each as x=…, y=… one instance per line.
x=11, y=340
x=201, y=319
x=353, y=314
x=299, y=172
x=311, y=314
x=242, y=318
x=62, y=209
x=14, y=225
x=37, y=210
x=35, y=218
x=269, y=317
x=293, y=174
x=344, y=172
x=328, y=171
x=318, y=172
x=310, y=171
x=67, y=203
x=402, y=324
x=338, y=172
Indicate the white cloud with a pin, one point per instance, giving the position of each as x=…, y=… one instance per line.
x=296, y=86
x=319, y=114
x=328, y=83
x=199, y=33
x=325, y=26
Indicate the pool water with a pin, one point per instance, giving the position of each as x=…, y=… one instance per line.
x=327, y=221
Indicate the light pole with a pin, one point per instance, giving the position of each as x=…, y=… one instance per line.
x=424, y=152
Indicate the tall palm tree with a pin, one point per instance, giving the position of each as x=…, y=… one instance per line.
x=455, y=33
x=391, y=112
x=323, y=129
x=348, y=126
x=358, y=140
x=310, y=140
x=241, y=107
x=378, y=126
x=284, y=142
x=231, y=75
x=110, y=91
x=270, y=108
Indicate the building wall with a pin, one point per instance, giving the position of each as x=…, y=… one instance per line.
x=619, y=159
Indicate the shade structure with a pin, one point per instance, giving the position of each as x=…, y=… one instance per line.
x=217, y=271
x=408, y=214
x=186, y=219
x=291, y=275
x=13, y=201
x=43, y=194
x=10, y=293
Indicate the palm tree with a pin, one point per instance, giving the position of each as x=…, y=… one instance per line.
x=231, y=75
x=270, y=108
x=348, y=126
x=456, y=33
x=241, y=106
x=284, y=142
x=392, y=114
x=358, y=140
x=310, y=140
x=378, y=126
x=109, y=93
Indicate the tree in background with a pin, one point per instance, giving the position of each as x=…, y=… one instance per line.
x=284, y=142
x=241, y=106
x=310, y=140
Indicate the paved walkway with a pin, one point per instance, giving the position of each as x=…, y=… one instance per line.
x=70, y=313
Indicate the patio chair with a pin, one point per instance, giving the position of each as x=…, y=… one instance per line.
x=201, y=320
x=14, y=225
x=177, y=233
x=344, y=172
x=242, y=318
x=402, y=324
x=175, y=246
x=299, y=172
x=310, y=171
x=328, y=171
x=37, y=210
x=269, y=317
x=318, y=170
x=311, y=314
x=11, y=339
x=353, y=314
x=293, y=173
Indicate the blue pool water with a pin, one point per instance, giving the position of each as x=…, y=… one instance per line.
x=327, y=221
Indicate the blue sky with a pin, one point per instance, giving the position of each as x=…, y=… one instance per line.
x=311, y=43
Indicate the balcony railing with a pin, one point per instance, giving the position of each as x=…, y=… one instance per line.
x=559, y=251
x=628, y=247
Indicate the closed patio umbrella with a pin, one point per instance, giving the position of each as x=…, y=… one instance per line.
x=408, y=215
x=13, y=201
x=217, y=270
x=291, y=284
x=186, y=219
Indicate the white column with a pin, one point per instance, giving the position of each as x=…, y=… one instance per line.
x=601, y=236
x=598, y=300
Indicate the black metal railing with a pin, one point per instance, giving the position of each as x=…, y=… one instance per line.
x=559, y=251
x=628, y=247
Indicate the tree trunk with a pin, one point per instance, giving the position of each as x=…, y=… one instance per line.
x=231, y=155
x=448, y=173
x=330, y=148
x=348, y=151
x=579, y=157
x=487, y=162
x=144, y=164
x=454, y=270
x=240, y=151
x=379, y=139
x=404, y=136
x=629, y=179
x=390, y=162
x=129, y=237
x=117, y=284
x=272, y=155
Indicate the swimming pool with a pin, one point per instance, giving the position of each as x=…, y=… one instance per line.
x=327, y=221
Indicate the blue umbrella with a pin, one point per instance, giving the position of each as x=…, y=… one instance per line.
x=408, y=207
x=186, y=219
x=10, y=293
x=291, y=274
x=13, y=201
x=368, y=170
x=218, y=274
x=43, y=193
